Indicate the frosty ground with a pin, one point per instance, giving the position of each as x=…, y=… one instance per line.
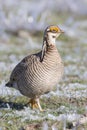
x=66, y=107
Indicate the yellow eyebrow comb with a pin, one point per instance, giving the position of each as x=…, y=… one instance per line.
x=54, y=28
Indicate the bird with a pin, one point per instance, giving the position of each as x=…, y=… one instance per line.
x=38, y=73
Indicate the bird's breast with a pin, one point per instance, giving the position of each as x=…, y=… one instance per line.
x=47, y=73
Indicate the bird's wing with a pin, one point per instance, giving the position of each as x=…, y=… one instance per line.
x=21, y=67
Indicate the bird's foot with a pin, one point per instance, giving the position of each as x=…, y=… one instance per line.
x=35, y=103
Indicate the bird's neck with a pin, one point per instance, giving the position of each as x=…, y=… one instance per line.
x=49, y=40
x=47, y=48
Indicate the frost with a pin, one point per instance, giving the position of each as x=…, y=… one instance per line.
x=13, y=58
x=45, y=126
x=86, y=108
x=28, y=114
x=54, y=127
x=69, y=117
x=3, y=66
x=76, y=90
x=52, y=117
x=71, y=69
x=8, y=106
x=10, y=122
x=84, y=76
x=5, y=91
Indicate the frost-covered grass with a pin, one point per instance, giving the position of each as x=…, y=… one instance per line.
x=65, y=108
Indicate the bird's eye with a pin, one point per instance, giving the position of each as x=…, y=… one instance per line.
x=53, y=36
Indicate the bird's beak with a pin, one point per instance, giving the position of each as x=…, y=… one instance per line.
x=61, y=31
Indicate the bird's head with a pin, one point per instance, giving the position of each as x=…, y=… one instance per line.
x=51, y=33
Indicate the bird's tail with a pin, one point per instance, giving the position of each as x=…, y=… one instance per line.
x=9, y=84
x=12, y=84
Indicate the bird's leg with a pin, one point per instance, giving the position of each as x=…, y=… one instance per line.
x=38, y=103
x=35, y=103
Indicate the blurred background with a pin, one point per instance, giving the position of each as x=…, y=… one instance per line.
x=22, y=24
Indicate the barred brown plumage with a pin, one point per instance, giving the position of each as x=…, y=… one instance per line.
x=38, y=73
